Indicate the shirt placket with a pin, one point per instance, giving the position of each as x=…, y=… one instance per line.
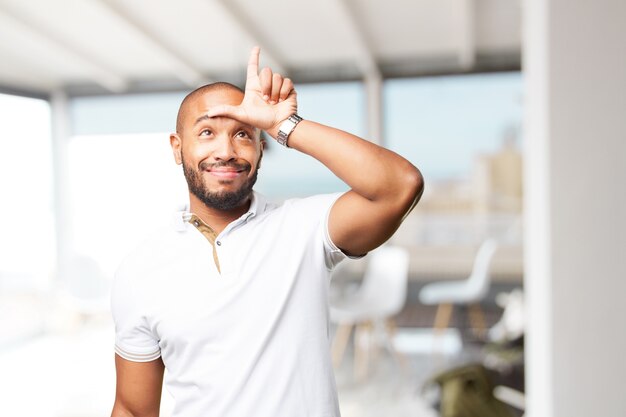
x=210, y=235
x=215, y=239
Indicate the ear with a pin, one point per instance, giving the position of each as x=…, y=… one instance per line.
x=176, y=143
x=262, y=144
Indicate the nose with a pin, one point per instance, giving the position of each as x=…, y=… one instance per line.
x=224, y=149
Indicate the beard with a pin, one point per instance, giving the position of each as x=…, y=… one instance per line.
x=219, y=200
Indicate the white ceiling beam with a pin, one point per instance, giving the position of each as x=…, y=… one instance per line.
x=366, y=62
x=366, y=59
x=97, y=71
x=467, y=33
x=249, y=28
x=184, y=70
x=23, y=71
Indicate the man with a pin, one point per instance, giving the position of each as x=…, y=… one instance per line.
x=232, y=300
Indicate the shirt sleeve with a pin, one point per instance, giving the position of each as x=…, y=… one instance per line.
x=332, y=254
x=134, y=340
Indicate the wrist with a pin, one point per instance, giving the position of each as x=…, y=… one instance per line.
x=283, y=130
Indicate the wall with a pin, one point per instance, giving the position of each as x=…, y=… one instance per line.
x=575, y=69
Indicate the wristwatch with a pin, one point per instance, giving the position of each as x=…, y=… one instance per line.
x=286, y=128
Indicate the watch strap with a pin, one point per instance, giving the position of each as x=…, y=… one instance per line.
x=286, y=128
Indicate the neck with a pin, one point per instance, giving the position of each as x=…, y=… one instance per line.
x=215, y=218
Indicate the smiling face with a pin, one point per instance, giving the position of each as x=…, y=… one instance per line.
x=220, y=156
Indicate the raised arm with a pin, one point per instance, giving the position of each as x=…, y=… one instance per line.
x=138, y=388
x=384, y=186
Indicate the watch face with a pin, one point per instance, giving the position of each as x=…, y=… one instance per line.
x=287, y=126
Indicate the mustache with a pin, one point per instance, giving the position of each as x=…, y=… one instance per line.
x=239, y=166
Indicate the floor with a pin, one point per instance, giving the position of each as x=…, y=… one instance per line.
x=397, y=389
x=70, y=373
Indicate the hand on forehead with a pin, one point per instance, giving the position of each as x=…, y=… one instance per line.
x=200, y=100
x=269, y=98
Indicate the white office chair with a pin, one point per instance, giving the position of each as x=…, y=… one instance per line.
x=467, y=292
x=381, y=295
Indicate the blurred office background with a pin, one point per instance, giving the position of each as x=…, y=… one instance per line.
x=522, y=212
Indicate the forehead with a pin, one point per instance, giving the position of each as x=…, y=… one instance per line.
x=219, y=96
x=201, y=103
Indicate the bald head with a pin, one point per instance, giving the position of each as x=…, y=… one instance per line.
x=198, y=92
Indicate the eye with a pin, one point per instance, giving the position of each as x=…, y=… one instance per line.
x=205, y=132
x=242, y=134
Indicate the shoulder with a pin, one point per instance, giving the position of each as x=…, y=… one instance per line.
x=298, y=218
x=316, y=204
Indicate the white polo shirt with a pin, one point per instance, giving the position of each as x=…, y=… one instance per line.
x=250, y=338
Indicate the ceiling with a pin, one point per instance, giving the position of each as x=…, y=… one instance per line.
x=117, y=46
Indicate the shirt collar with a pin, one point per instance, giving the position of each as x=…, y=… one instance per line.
x=258, y=205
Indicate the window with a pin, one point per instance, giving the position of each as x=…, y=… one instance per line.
x=441, y=123
x=123, y=187
x=27, y=239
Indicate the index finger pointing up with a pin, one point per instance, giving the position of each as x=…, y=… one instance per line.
x=253, y=62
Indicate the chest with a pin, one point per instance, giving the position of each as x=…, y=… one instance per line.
x=261, y=289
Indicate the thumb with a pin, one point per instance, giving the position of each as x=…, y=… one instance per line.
x=226, y=110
